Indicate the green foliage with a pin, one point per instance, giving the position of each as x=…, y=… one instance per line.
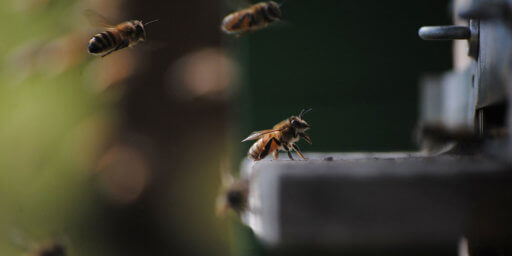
x=45, y=150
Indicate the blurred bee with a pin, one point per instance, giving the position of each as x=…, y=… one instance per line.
x=282, y=137
x=49, y=248
x=234, y=193
x=128, y=33
x=253, y=18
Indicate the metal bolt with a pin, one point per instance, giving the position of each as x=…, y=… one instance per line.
x=470, y=33
x=444, y=32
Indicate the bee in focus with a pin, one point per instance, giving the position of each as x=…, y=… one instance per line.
x=253, y=18
x=114, y=38
x=233, y=195
x=282, y=137
x=49, y=248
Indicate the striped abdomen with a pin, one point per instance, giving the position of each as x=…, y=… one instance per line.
x=256, y=17
x=103, y=42
x=262, y=148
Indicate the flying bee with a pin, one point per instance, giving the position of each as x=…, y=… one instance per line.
x=235, y=197
x=49, y=248
x=281, y=137
x=114, y=38
x=234, y=193
x=253, y=18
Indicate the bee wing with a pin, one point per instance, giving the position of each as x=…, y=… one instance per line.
x=282, y=24
x=258, y=134
x=235, y=5
x=97, y=19
x=226, y=177
x=151, y=45
x=221, y=205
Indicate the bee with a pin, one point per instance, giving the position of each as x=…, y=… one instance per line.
x=49, y=248
x=253, y=18
x=281, y=137
x=114, y=38
x=234, y=193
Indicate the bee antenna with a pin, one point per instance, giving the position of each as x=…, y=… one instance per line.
x=147, y=23
x=303, y=112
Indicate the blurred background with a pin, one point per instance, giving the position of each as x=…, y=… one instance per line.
x=120, y=155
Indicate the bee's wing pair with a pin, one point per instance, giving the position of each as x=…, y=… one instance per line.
x=258, y=134
x=96, y=19
x=226, y=177
x=235, y=5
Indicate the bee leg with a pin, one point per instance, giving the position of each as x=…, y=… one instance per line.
x=119, y=47
x=288, y=151
x=109, y=52
x=305, y=137
x=290, y=155
x=297, y=149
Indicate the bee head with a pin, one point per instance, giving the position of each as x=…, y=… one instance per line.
x=140, y=33
x=273, y=10
x=298, y=121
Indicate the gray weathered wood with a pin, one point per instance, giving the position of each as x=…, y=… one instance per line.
x=365, y=200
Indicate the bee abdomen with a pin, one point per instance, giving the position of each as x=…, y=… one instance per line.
x=235, y=22
x=102, y=42
x=255, y=150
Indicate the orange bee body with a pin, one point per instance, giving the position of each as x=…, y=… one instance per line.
x=253, y=18
x=281, y=137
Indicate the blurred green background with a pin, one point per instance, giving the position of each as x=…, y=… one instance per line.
x=120, y=155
